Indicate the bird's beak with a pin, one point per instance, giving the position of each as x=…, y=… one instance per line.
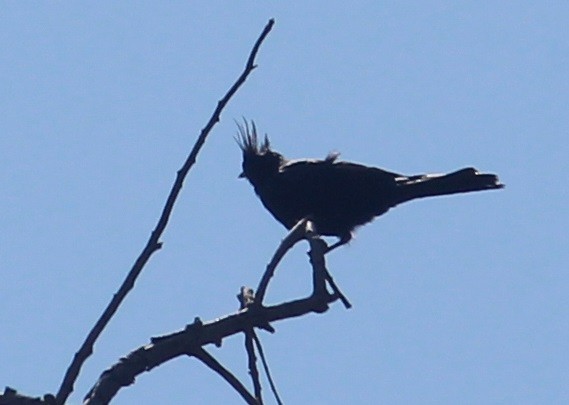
x=241, y=176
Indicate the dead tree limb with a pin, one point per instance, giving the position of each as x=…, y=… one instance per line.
x=195, y=336
x=186, y=342
x=266, y=367
x=252, y=364
x=296, y=234
x=216, y=366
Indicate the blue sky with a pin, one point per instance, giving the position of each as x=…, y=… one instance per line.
x=460, y=299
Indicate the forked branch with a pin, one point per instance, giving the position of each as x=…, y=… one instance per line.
x=194, y=337
x=154, y=243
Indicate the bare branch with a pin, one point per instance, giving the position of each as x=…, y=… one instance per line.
x=11, y=397
x=252, y=362
x=266, y=367
x=192, y=339
x=153, y=243
x=216, y=366
x=336, y=290
x=318, y=248
x=296, y=234
x=194, y=336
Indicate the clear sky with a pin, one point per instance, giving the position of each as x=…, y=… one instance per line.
x=460, y=299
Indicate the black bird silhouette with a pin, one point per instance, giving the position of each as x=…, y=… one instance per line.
x=339, y=196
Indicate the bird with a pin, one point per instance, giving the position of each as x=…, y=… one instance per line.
x=339, y=196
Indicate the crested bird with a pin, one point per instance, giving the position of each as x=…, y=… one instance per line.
x=339, y=196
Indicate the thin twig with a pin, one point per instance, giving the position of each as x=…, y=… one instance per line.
x=216, y=366
x=266, y=367
x=336, y=289
x=153, y=243
x=296, y=234
x=252, y=363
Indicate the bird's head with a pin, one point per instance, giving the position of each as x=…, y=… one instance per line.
x=260, y=163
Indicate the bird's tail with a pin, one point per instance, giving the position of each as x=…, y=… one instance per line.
x=462, y=181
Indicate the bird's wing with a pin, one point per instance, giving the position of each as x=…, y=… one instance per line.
x=356, y=167
x=340, y=195
x=300, y=166
x=346, y=181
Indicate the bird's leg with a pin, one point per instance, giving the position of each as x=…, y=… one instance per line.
x=342, y=241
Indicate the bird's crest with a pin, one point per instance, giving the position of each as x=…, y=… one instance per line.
x=248, y=140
